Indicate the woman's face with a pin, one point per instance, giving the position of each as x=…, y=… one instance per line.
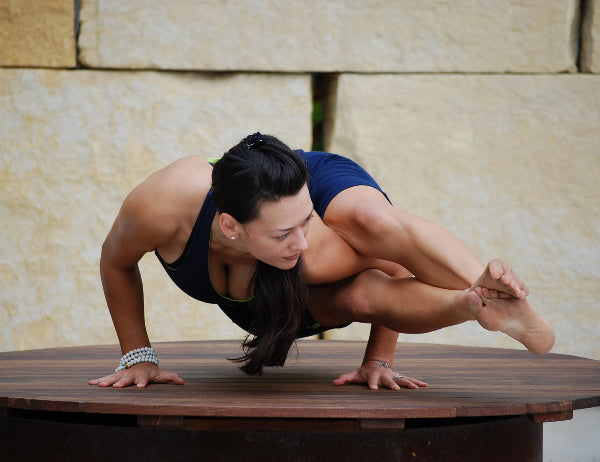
x=278, y=235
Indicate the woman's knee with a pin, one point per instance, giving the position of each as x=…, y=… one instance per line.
x=375, y=219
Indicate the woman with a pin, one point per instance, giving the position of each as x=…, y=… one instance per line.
x=238, y=235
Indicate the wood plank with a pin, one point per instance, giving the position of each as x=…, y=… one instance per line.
x=551, y=416
x=463, y=382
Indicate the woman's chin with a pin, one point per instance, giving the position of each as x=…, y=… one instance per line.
x=286, y=263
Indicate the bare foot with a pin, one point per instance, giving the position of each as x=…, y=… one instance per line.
x=499, y=281
x=517, y=318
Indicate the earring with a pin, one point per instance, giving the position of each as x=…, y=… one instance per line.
x=233, y=238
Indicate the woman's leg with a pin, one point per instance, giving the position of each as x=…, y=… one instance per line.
x=368, y=222
x=408, y=305
x=404, y=305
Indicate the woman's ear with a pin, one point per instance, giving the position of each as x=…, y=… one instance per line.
x=229, y=226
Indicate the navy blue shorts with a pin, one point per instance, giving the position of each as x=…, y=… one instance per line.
x=329, y=174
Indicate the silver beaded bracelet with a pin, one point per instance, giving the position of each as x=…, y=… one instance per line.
x=139, y=355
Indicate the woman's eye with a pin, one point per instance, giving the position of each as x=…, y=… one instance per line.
x=282, y=237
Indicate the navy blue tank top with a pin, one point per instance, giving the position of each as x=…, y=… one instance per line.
x=329, y=174
x=190, y=271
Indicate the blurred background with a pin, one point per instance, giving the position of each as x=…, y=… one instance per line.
x=483, y=116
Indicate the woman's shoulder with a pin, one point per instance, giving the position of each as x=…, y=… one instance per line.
x=172, y=195
x=187, y=177
x=191, y=169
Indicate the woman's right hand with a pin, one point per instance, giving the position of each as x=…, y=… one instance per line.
x=139, y=375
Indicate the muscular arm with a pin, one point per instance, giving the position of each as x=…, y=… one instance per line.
x=128, y=240
x=121, y=279
x=156, y=214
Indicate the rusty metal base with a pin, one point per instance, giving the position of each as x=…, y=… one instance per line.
x=46, y=436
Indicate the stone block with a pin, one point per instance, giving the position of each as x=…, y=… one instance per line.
x=330, y=36
x=72, y=145
x=37, y=33
x=590, y=37
x=508, y=163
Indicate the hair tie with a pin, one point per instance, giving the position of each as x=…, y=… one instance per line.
x=253, y=140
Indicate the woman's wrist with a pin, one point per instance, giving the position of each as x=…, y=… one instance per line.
x=136, y=356
x=377, y=363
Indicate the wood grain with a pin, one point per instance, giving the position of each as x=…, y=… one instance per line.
x=463, y=382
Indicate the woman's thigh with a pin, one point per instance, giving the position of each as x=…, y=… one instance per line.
x=355, y=299
x=330, y=258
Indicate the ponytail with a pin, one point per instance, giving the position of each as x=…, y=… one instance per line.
x=278, y=304
x=258, y=169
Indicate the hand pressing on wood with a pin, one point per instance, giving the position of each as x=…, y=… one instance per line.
x=139, y=375
x=380, y=375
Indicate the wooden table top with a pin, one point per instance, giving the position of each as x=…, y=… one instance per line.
x=463, y=382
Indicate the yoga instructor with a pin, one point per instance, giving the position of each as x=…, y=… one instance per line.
x=290, y=244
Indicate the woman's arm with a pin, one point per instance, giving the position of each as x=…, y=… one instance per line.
x=152, y=216
x=128, y=240
x=122, y=283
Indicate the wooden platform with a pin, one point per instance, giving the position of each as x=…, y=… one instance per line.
x=480, y=402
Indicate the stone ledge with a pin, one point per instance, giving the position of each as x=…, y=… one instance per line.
x=36, y=33
x=372, y=36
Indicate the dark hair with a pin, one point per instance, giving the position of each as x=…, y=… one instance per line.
x=260, y=169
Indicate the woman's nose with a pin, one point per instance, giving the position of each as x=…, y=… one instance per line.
x=300, y=242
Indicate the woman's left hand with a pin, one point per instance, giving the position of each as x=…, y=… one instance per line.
x=376, y=377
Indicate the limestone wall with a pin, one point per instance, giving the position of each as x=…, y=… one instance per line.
x=75, y=142
x=482, y=116
x=509, y=163
x=332, y=35
x=37, y=34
